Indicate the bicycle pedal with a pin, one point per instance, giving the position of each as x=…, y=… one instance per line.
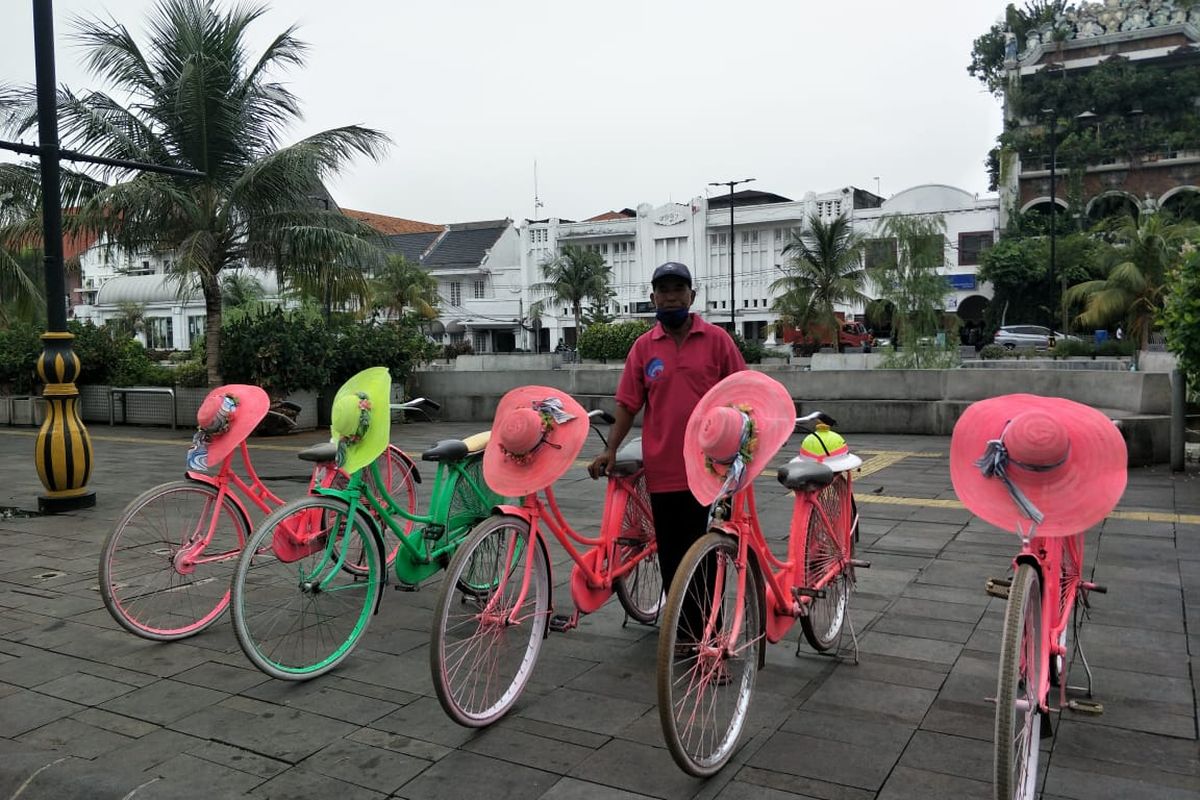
x=802, y=591
x=858, y=563
x=407, y=587
x=561, y=623
x=1086, y=707
x=998, y=587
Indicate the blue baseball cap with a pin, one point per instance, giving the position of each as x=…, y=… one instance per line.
x=672, y=269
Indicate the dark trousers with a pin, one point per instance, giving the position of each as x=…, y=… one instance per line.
x=679, y=520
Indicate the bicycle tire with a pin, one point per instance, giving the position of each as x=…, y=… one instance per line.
x=688, y=669
x=286, y=588
x=144, y=583
x=1018, y=726
x=640, y=591
x=475, y=684
x=825, y=617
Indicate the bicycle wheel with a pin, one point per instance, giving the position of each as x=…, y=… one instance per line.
x=484, y=647
x=824, y=617
x=1069, y=577
x=1018, y=726
x=297, y=610
x=640, y=591
x=705, y=680
x=161, y=576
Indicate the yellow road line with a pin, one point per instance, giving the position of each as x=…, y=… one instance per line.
x=903, y=453
x=926, y=502
x=881, y=461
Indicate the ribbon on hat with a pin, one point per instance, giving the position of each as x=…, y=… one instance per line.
x=197, y=455
x=995, y=463
x=553, y=408
x=364, y=424
x=735, y=465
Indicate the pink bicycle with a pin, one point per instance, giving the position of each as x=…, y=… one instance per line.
x=166, y=566
x=1047, y=469
x=494, y=609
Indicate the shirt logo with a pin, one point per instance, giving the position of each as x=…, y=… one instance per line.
x=654, y=369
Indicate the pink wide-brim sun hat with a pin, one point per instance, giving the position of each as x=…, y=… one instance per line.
x=252, y=405
x=713, y=433
x=529, y=449
x=1068, y=459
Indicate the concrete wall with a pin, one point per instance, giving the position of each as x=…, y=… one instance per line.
x=862, y=401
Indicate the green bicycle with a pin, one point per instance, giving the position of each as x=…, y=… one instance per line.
x=312, y=575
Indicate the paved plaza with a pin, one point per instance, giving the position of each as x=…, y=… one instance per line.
x=90, y=711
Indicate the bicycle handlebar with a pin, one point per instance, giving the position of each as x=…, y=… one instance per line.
x=806, y=423
x=602, y=415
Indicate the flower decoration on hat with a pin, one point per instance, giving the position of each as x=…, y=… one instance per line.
x=364, y=424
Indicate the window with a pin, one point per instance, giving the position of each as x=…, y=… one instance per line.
x=880, y=253
x=455, y=293
x=928, y=250
x=972, y=245
x=479, y=285
x=159, y=332
x=195, y=328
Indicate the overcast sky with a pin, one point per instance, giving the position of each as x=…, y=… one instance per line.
x=618, y=102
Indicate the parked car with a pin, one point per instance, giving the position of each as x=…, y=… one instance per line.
x=1035, y=336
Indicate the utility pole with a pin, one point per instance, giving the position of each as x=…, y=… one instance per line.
x=732, y=307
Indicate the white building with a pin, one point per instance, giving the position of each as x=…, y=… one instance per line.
x=697, y=233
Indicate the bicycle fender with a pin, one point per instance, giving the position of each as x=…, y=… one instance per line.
x=412, y=465
x=511, y=511
x=381, y=551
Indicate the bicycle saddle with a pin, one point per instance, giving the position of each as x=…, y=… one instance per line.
x=322, y=453
x=802, y=475
x=629, y=458
x=447, y=450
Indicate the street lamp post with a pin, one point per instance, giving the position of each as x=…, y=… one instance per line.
x=732, y=307
x=1062, y=279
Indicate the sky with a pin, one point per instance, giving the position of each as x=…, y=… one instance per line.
x=618, y=103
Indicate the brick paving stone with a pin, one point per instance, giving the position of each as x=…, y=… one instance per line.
x=938, y=652
x=814, y=756
x=464, y=774
x=907, y=783
x=584, y=710
x=746, y=791
x=800, y=785
x=222, y=677
x=635, y=767
x=322, y=699
x=283, y=733
x=74, y=737
x=416, y=748
x=1093, y=780
x=952, y=755
x=241, y=760
x=26, y=710
x=363, y=765
x=301, y=784
x=572, y=789
x=519, y=747
x=85, y=689
x=163, y=702
x=186, y=776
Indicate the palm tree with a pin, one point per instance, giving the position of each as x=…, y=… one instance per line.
x=824, y=270
x=402, y=284
x=20, y=292
x=572, y=277
x=198, y=101
x=239, y=289
x=1146, y=248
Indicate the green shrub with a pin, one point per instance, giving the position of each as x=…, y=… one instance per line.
x=98, y=352
x=191, y=373
x=456, y=349
x=132, y=366
x=398, y=345
x=991, y=352
x=20, y=347
x=610, y=340
x=752, y=352
x=1181, y=316
x=1114, y=347
x=281, y=352
x=1072, y=347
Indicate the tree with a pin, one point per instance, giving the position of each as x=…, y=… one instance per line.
x=129, y=322
x=911, y=278
x=239, y=289
x=824, y=270
x=401, y=285
x=572, y=277
x=987, y=53
x=1145, y=250
x=1181, y=315
x=197, y=100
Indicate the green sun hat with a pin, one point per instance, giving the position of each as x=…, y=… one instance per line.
x=361, y=418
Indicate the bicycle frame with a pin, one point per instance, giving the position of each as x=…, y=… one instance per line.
x=420, y=562
x=602, y=574
x=1046, y=555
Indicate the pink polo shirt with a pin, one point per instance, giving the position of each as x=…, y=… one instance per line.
x=670, y=380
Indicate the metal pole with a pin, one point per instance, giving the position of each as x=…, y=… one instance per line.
x=62, y=450
x=1178, y=420
x=732, y=304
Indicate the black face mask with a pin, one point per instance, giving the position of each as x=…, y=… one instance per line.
x=672, y=317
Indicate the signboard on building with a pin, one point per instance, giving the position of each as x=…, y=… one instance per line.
x=961, y=281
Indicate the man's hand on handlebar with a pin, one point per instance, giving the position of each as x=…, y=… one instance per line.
x=602, y=465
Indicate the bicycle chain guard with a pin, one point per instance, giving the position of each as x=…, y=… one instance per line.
x=588, y=599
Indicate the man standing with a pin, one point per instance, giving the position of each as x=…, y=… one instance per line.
x=668, y=370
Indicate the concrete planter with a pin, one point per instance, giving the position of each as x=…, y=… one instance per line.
x=22, y=410
x=156, y=409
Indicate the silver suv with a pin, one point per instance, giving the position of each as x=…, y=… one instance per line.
x=1036, y=336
